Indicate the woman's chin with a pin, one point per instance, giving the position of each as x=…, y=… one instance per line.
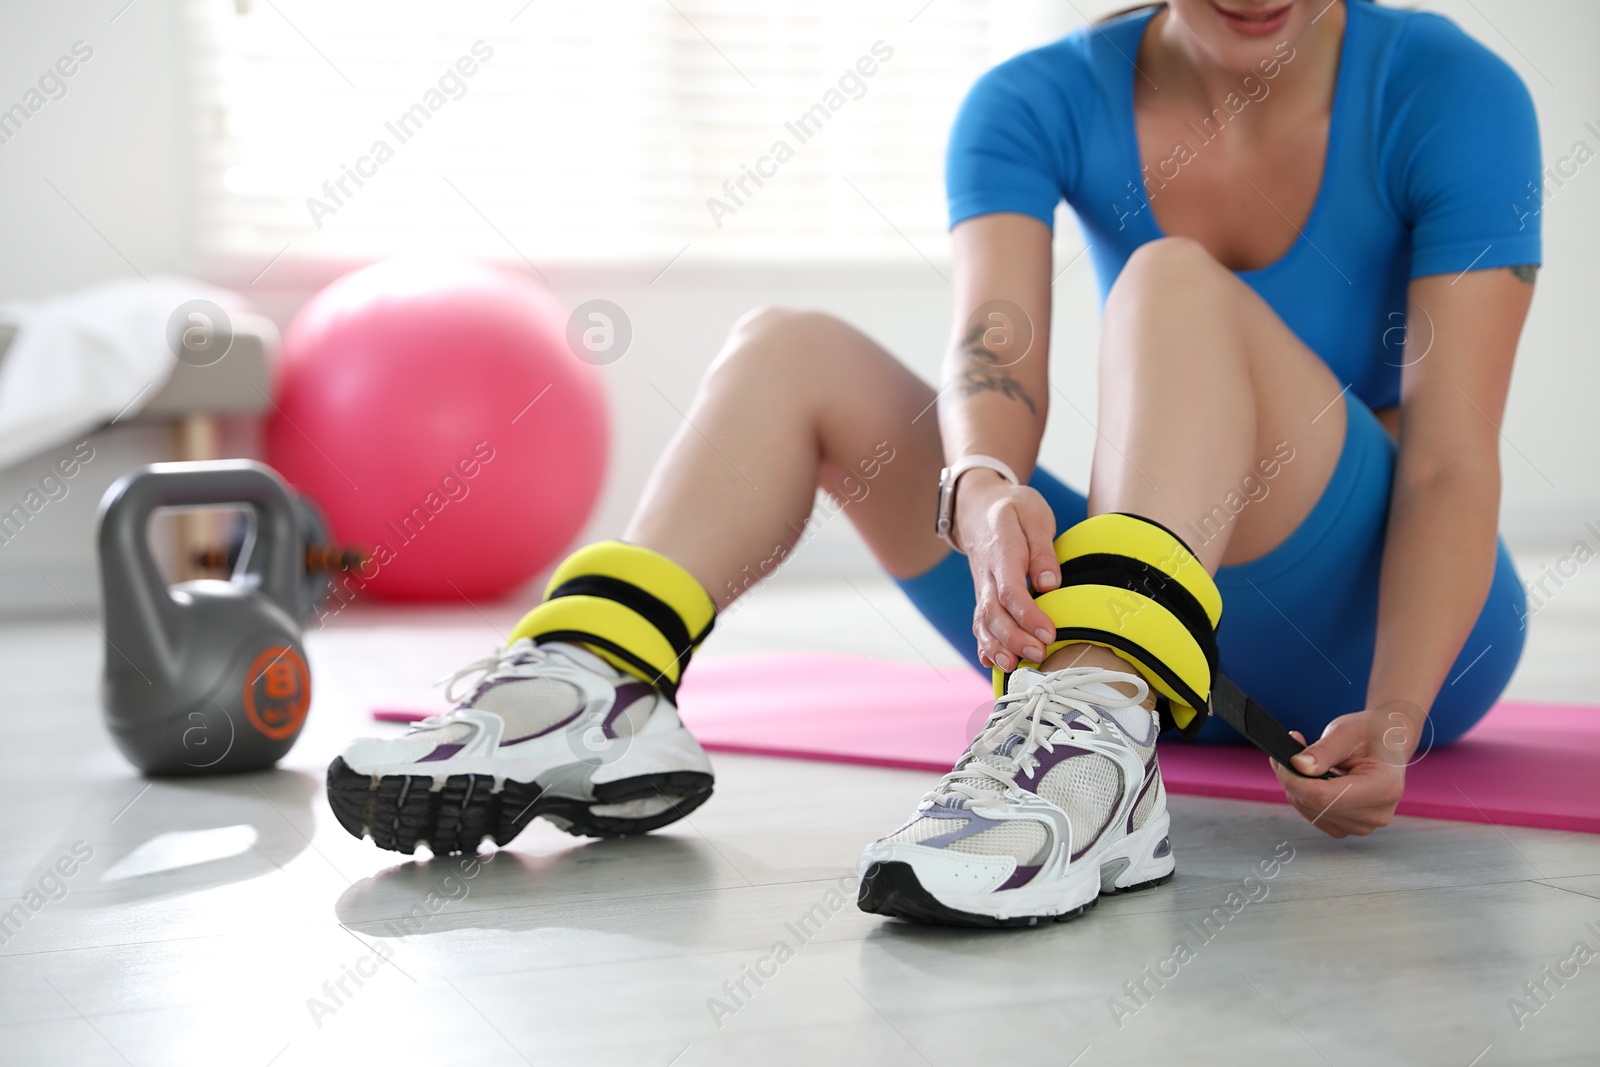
x=1253, y=23
x=1241, y=36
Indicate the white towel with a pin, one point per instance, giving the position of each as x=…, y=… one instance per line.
x=88, y=357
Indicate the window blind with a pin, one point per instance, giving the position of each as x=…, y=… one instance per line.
x=588, y=130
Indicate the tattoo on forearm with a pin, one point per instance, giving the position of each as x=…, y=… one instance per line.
x=1526, y=272
x=980, y=379
x=973, y=346
x=983, y=371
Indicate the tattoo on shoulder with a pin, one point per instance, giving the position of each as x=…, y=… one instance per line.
x=1527, y=272
x=984, y=371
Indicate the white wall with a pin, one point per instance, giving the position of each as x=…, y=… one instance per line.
x=680, y=320
x=117, y=148
x=93, y=186
x=1552, y=479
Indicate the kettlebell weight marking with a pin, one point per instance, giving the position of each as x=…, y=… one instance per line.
x=277, y=692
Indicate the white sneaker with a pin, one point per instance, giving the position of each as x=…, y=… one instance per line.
x=552, y=731
x=1057, y=800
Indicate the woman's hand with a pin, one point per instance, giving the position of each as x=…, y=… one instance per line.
x=1008, y=534
x=1372, y=776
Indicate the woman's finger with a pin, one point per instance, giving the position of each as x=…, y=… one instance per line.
x=1008, y=638
x=1326, y=793
x=986, y=644
x=1001, y=637
x=1038, y=527
x=1343, y=738
x=1008, y=579
x=1028, y=624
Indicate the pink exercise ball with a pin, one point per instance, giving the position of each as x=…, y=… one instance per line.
x=433, y=410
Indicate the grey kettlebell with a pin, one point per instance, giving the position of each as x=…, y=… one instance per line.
x=207, y=676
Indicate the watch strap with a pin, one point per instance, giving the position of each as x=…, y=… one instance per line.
x=949, y=477
x=980, y=462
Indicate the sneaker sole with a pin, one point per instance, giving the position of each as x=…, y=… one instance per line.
x=893, y=889
x=401, y=811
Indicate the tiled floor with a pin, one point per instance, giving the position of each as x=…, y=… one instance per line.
x=216, y=921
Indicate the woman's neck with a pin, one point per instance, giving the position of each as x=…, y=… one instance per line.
x=1177, y=67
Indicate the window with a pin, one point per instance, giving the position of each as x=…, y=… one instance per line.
x=588, y=130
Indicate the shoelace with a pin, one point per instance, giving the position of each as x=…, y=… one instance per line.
x=982, y=773
x=498, y=662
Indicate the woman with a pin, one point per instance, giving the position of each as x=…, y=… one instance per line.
x=1314, y=226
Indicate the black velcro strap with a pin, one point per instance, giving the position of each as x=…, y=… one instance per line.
x=655, y=611
x=1167, y=722
x=1137, y=576
x=1235, y=707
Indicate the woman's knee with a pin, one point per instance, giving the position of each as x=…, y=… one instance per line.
x=774, y=329
x=1162, y=268
x=1168, y=283
x=797, y=353
x=767, y=322
x=771, y=339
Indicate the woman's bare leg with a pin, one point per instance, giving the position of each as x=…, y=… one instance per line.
x=795, y=400
x=1200, y=383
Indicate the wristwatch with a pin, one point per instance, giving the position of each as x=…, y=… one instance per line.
x=945, y=525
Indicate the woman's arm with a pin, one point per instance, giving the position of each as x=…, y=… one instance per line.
x=1439, y=555
x=997, y=393
x=1444, y=512
x=994, y=400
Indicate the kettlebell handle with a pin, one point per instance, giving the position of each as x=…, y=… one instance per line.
x=146, y=612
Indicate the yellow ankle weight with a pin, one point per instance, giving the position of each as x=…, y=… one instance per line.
x=636, y=608
x=1130, y=585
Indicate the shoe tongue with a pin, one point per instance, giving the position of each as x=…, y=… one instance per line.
x=1135, y=719
x=999, y=756
x=1024, y=679
x=584, y=658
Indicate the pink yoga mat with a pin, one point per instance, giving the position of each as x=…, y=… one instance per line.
x=1524, y=765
